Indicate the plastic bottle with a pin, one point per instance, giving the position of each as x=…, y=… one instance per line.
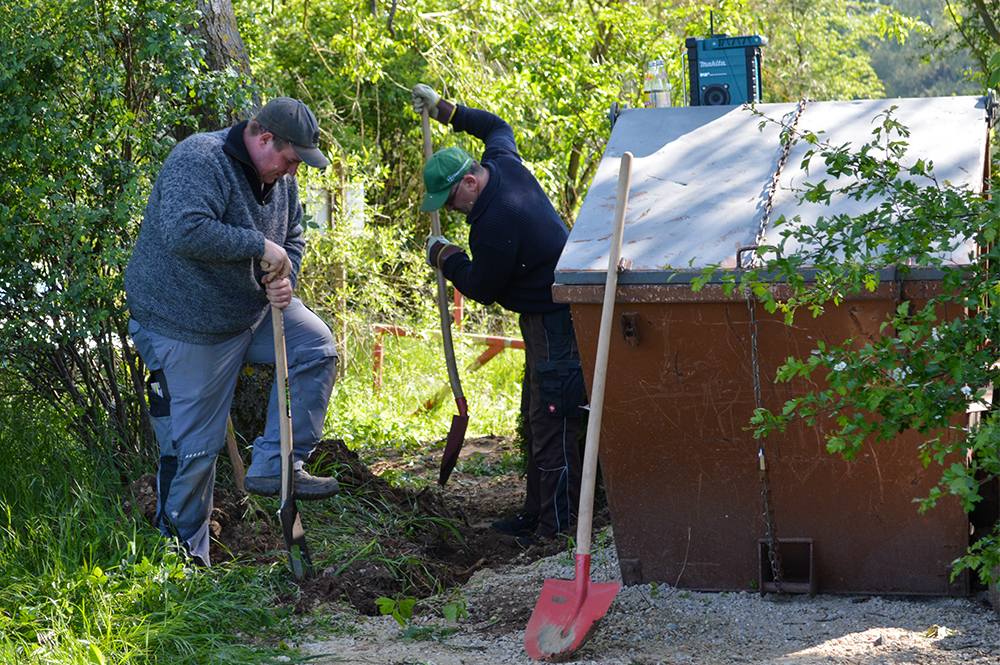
x=655, y=86
x=663, y=86
x=648, y=99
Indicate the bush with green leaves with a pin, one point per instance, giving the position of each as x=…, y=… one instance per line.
x=95, y=95
x=924, y=371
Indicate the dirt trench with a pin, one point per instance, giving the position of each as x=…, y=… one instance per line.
x=443, y=554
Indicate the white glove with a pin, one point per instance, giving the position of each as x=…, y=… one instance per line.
x=431, y=240
x=424, y=97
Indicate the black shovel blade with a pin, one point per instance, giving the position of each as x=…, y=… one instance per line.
x=295, y=541
x=456, y=437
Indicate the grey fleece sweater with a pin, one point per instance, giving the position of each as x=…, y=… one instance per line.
x=194, y=274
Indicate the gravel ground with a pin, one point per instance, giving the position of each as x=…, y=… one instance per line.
x=650, y=625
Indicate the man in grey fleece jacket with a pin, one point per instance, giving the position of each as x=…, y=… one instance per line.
x=220, y=243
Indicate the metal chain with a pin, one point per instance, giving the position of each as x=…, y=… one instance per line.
x=788, y=132
x=770, y=531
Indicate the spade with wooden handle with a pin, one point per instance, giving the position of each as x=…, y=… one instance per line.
x=568, y=612
x=459, y=422
x=288, y=513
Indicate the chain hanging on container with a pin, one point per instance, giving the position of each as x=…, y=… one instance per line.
x=767, y=505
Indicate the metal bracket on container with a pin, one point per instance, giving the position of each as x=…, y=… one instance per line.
x=630, y=330
x=798, y=566
x=751, y=248
x=613, y=114
x=739, y=255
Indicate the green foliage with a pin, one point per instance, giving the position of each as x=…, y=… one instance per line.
x=92, y=94
x=818, y=49
x=919, y=66
x=552, y=69
x=972, y=30
x=395, y=415
x=931, y=362
x=401, y=609
x=477, y=465
x=455, y=610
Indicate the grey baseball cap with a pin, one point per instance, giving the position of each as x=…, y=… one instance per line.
x=291, y=120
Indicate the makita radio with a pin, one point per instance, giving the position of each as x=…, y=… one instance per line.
x=724, y=70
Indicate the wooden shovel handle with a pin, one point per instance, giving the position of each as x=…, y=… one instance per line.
x=284, y=408
x=239, y=470
x=585, y=515
x=442, y=287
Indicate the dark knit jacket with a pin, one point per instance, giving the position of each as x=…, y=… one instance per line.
x=194, y=274
x=516, y=236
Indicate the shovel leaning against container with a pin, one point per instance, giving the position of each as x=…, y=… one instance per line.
x=568, y=612
x=460, y=422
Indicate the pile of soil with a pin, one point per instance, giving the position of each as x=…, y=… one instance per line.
x=447, y=556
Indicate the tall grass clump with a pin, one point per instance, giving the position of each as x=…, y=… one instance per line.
x=83, y=582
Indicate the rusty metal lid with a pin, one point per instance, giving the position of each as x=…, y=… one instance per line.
x=702, y=174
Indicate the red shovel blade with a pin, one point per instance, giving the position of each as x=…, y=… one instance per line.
x=456, y=437
x=567, y=614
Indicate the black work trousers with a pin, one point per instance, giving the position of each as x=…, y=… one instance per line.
x=552, y=395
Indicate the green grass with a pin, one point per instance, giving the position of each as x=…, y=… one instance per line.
x=81, y=582
x=413, y=371
x=84, y=583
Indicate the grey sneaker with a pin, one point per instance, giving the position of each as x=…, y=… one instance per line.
x=307, y=486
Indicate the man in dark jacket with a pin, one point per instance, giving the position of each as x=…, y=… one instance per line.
x=515, y=237
x=220, y=244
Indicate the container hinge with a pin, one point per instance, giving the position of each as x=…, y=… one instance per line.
x=613, y=114
x=991, y=108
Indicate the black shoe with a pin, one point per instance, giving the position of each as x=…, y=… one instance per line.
x=307, y=487
x=527, y=541
x=542, y=541
x=522, y=524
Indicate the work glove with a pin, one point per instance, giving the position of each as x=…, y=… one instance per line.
x=439, y=249
x=424, y=97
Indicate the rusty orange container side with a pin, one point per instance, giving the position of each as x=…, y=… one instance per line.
x=681, y=467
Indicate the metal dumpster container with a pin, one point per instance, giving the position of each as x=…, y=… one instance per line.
x=679, y=464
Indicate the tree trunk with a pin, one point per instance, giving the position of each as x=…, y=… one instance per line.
x=224, y=49
x=224, y=46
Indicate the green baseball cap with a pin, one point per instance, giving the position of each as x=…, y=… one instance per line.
x=442, y=171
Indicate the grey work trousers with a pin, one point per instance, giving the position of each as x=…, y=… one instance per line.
x=552, y=395
x=190, y=391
